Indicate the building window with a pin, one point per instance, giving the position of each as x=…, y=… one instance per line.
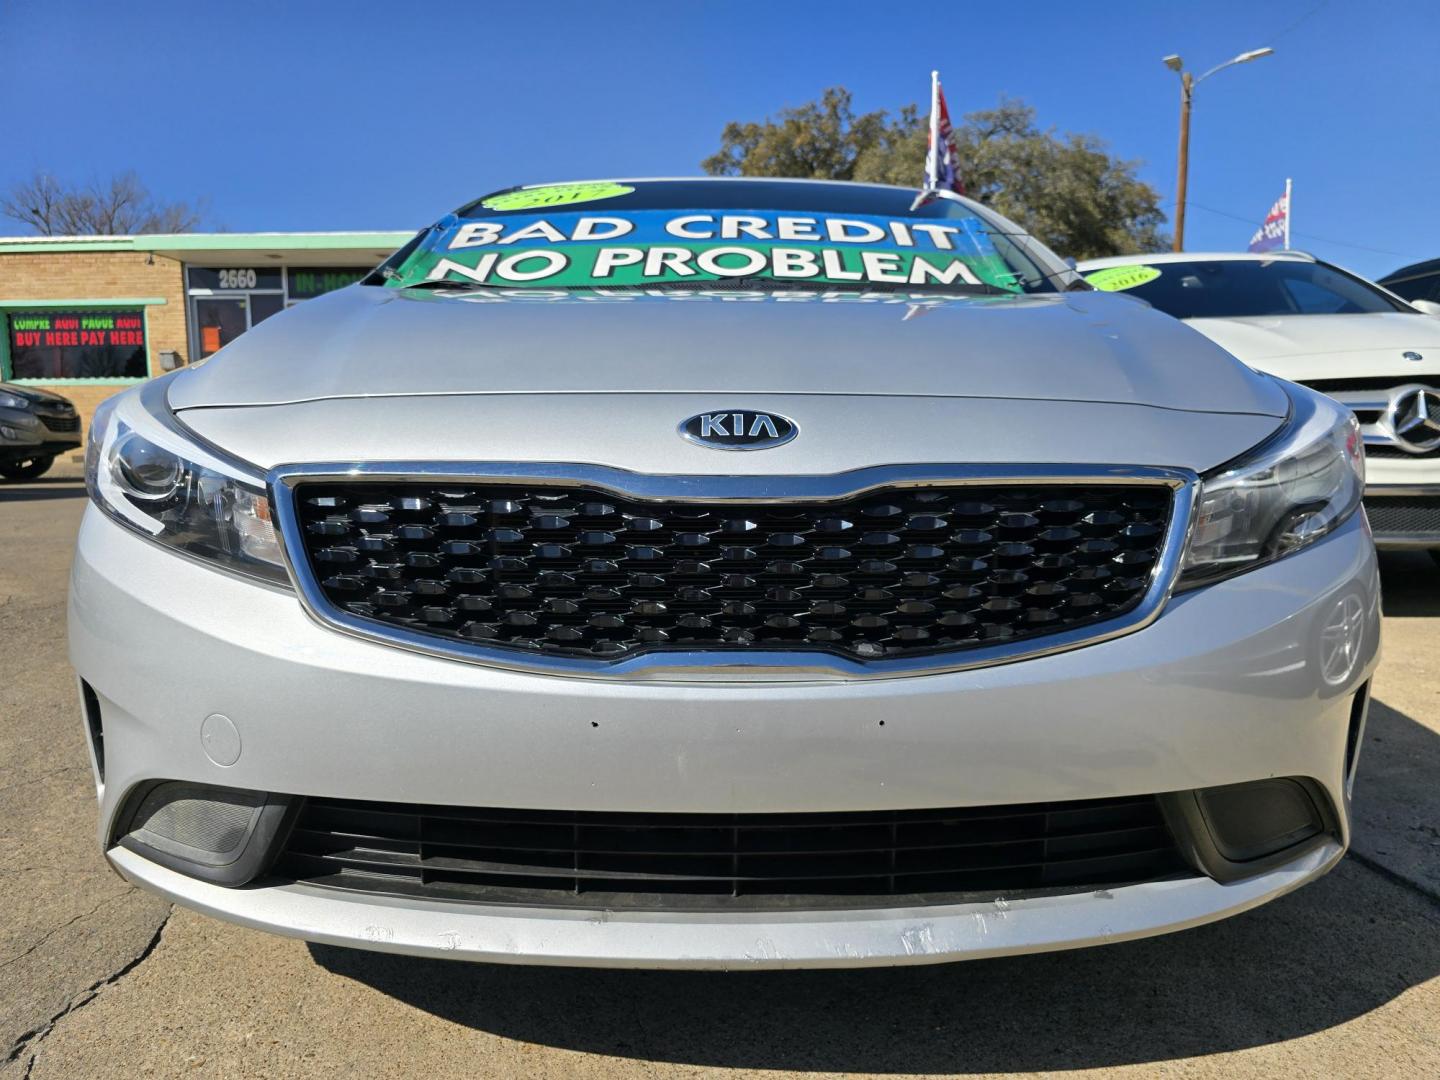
x=227, y=301
x=219, y=321
x=81, y=344
x=308, y=282
x=234, y=279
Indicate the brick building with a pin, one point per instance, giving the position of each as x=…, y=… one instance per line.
x=88, y=316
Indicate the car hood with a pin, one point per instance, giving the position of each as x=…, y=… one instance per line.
x=638, y=433
x=31, y=393
x=1303, y=347
x=365, y=341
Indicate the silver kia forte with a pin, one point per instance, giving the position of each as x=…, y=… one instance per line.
x=723, y=573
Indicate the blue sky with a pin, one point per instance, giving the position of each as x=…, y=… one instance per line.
x=320, y=115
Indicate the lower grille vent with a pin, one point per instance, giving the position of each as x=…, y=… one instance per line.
x=61, y=423
x=1383, y=450
x=1418, y=516
x=685, y=861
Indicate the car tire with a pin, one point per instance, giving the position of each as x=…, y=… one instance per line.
x=26, y=468
x=1435, y=554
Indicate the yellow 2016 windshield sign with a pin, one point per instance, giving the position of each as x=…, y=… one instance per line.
x=1116, y=278
x=541, y=198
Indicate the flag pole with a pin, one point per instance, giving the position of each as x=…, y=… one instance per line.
x=932, y=166
x=1289, y=209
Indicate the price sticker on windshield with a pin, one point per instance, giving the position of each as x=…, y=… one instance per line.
x=538, y=198
x=1116, y=278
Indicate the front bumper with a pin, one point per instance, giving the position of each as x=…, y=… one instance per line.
x=883, y=938
x=1232, y=683
x=1402, y=497
x=23, y=436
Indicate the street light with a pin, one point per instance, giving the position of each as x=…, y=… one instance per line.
x=1188, y=83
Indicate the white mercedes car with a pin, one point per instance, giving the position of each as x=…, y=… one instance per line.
x=742, y=573
x=1295, y=316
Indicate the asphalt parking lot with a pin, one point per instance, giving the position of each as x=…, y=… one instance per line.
x=97, y=979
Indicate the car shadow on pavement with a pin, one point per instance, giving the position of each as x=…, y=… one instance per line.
x=63, y=487
x=1410, y=583
x=1328, y=953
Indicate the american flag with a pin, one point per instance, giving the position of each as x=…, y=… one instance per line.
x=942, y=169
x=1275, y=233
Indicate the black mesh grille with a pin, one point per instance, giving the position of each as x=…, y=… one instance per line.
x=628, y=860
x=1398, y=516
x=1381, y=450
x=583, y=573
x=61, y=423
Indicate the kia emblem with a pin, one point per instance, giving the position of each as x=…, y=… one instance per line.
x=738, y=429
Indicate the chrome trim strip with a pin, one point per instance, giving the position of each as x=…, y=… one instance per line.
x=1407, y=541
x=1382, y=491
x=722, y=665
x=1362, y=403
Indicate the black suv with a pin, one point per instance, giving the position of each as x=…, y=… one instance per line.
x=35, y=427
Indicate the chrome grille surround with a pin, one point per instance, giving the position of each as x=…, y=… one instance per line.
x=676, y=665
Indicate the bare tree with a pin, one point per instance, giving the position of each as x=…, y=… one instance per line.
x=121, y=206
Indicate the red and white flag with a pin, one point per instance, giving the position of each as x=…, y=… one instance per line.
x=1275, y=232
x=942, y=166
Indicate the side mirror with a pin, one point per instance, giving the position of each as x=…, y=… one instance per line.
x=1426, y=307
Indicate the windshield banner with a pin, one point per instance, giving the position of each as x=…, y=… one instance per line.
x=573, y=250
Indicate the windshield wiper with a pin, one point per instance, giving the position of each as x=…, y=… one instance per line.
x=956, y=288
x=732, y=284
x=440, y=283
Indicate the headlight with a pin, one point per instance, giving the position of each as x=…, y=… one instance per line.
x=1300, y=485
x=13, y=401
x=142, y=471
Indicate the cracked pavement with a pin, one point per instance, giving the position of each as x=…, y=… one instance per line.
x=1341, y=978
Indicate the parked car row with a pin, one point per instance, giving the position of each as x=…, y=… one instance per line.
x=1295, y=316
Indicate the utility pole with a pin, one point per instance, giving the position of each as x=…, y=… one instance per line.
x=1188, y=82
x=1182, y=175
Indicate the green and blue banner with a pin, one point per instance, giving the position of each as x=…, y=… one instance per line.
x=649, y=247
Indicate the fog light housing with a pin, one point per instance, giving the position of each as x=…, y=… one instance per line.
x=227, y=836
x=1238, y=830
x=1249, y=821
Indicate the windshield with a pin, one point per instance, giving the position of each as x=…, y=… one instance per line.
x=1238, y=288
x=759, y=234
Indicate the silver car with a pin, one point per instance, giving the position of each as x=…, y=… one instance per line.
x=712, y=574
